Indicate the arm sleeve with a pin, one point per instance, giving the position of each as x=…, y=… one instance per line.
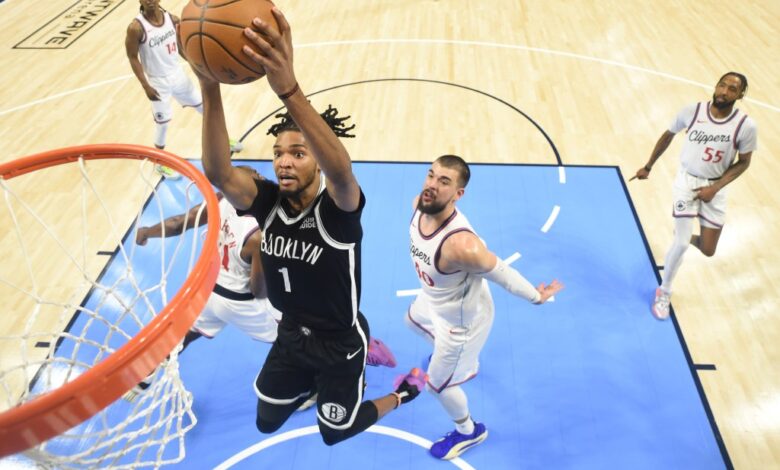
x=683, y=119
x=511, y=280
x=747, y=140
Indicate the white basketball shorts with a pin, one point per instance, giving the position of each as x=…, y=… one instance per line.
x=177, y=86
x=711, y=214
x=257, y=317
x=456, y=347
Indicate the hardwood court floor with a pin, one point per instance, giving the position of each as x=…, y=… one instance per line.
x=603, y=79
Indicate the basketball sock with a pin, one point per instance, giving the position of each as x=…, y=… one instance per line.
x=456, y=404
x=466, y=426
x=161, y=130
x=199, y=108
x=683, y=229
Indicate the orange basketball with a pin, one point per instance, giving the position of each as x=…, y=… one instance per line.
x=212, y=36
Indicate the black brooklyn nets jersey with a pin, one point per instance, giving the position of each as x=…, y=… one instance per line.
x=311, y=259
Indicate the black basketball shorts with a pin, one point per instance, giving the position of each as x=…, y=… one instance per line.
x=332, y=364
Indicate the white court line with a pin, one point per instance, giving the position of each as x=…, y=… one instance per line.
x=514, y=257
x=412, y=292
x=531, y=49
x=437, y=41
x=561, y=175
x=64, y=93
x=296, y=433
x=551, y=219
x=407, y=292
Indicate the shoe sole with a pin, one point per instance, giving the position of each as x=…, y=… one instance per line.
x=657, y=316
x=459, y=449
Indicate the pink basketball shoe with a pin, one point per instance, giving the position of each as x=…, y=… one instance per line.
x=379, y=354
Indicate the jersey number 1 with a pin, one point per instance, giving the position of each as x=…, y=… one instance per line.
x=286, y=278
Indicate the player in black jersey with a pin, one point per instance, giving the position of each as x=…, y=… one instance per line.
x=310, y=253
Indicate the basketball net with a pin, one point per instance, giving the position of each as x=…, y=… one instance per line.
x=86, y=321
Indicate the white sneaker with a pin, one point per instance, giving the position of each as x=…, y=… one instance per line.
x=661, y=304
x=166, y=172
x=133, y=394
x=236, y=146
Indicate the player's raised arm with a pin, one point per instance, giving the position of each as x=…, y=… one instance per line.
x=464, y=251
x=276, y=58
x=238, y=186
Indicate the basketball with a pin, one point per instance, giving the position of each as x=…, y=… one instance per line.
x=212, y=36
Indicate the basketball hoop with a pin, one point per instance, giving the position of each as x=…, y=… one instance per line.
x=37, y=418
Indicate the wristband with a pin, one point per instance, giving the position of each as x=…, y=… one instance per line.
x=648, y=168
x=284, y=96
x=397, y=399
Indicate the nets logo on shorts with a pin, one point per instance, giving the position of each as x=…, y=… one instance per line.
x=333, y=412
x=680, y=206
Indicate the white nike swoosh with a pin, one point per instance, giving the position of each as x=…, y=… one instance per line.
x=351, y=355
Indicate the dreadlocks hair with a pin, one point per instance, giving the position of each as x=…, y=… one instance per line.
x=330, y=116
x=456, y=163
x=742, y=79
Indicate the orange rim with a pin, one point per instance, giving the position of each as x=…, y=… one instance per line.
x=56, y=411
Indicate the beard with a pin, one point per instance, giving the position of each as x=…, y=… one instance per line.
x=431, y=208
x=722, y=104
x=290, y=193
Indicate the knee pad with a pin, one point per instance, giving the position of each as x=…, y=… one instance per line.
x=267, y=427
x=331, y=436
x=367, y=416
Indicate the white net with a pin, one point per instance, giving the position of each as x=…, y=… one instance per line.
x=77, y=288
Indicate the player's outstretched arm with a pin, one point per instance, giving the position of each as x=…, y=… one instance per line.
x=277, y=61
x=466, y=252
x=238, y=186
x=172, y=226
x=658, y=150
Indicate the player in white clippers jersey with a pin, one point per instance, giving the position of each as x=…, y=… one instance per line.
x=239, y=296
x=720, y=141
x=152, y=48
x=455, y=311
